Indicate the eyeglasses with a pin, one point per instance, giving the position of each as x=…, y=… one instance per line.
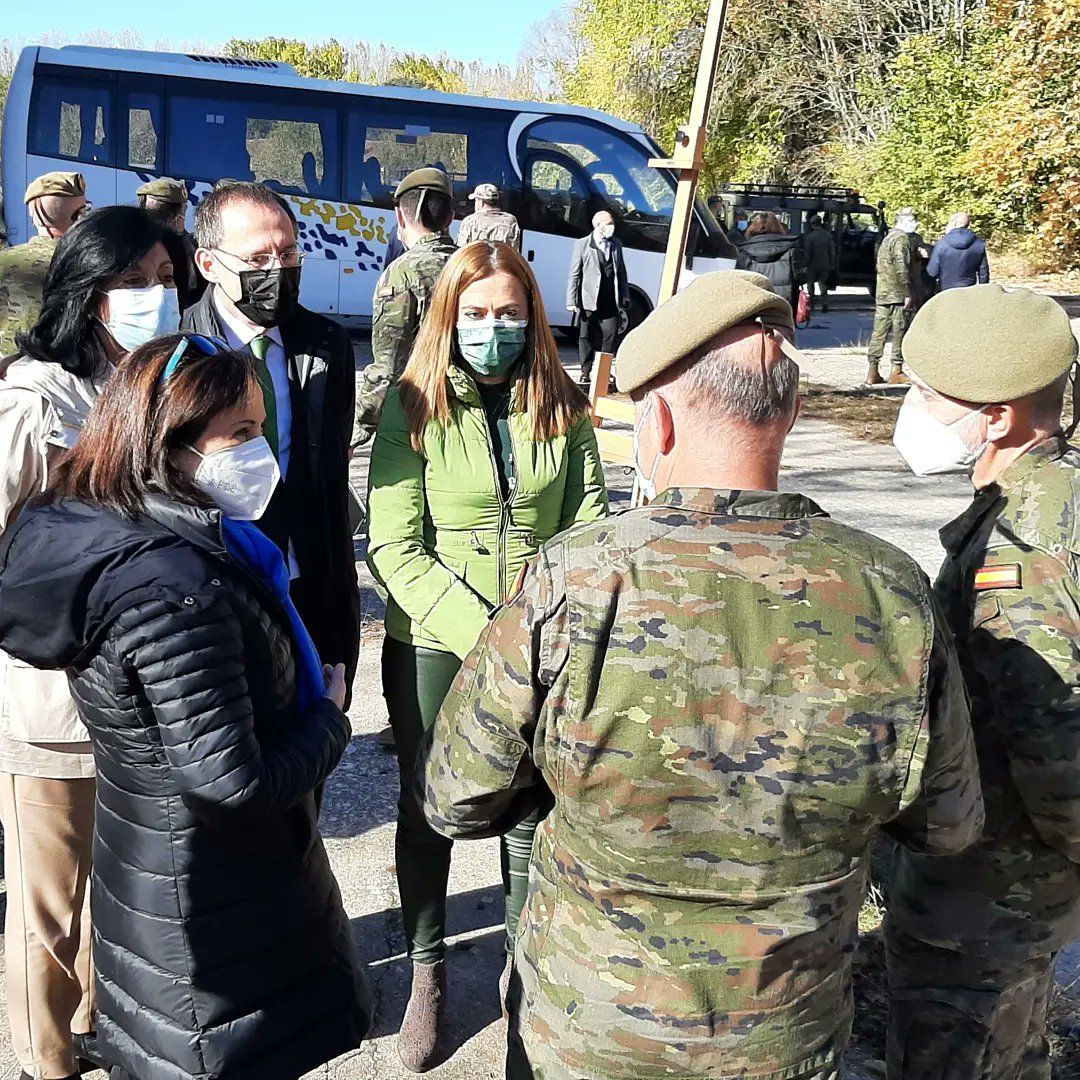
x=265, y=260
x=206, y=346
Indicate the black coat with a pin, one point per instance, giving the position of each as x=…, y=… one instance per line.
x=311, y=507
x=779, y=258
x=221, y=947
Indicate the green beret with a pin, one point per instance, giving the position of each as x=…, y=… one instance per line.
x=707, y=307
x=427, y=179
x=987, y=345
x=68, y=184
x=166, y=189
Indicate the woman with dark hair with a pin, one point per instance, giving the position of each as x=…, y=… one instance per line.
x=484, y=452
x=222, y=948
x=769, y=249
x=107, y=290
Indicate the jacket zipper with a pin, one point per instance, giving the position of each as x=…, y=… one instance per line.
x=504, y=504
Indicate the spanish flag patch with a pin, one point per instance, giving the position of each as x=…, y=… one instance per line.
x=998, y=577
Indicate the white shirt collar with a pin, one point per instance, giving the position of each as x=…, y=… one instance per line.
x=241, y=331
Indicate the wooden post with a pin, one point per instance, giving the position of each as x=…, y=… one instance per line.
x=688, y=156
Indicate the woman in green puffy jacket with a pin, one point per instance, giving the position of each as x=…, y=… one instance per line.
x=484, y=452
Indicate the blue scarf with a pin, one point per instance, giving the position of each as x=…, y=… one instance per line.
x=263, y=559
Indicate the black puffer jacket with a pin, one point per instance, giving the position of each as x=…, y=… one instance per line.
x=779, y=258
x=221, y=945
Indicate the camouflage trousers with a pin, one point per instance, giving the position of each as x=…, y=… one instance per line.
x=953, y=1016
x=888, y=318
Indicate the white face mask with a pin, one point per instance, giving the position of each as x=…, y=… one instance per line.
x=646, y=483
x=137, y=316
x=240, y=479
x=605, y=232
x=931, y=447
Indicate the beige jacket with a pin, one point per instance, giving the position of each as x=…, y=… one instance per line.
x=42, y=410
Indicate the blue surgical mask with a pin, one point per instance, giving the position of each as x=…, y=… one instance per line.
x=742, y=225
x=137, y=316
x=493, y=347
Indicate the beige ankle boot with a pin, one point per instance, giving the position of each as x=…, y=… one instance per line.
x=419, y=1033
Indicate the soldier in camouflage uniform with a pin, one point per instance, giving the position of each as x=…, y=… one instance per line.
x=895, y=296
x=488, y=222
x=723, y=695
x=424, y=201
x=972, y=938
x=56, y=201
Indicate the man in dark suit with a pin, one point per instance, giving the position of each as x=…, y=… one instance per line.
x=597, y=290
x=248, y=251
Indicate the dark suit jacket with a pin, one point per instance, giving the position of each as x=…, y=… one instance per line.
x=310, y=508
x=586, y=276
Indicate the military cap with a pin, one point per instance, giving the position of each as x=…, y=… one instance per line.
x=68, y=184
x=166, y=189
x=986, y=344
x=424, y=179
x=485, y=192
x=707, y=307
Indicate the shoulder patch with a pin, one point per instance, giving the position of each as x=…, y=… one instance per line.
x=1007, y=576
x=385, y=294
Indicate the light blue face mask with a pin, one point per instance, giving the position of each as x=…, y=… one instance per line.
x=492, y=348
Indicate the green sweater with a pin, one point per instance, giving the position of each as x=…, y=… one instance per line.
x=441, y=539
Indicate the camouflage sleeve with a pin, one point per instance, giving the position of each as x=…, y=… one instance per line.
x=1026, y=646
x=515, y=237
x=464, y=235
x=942, y=805
x=393, y=329
x=482, y=768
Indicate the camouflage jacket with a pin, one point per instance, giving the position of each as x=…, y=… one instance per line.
x=496, y=226
x=1010, y=592
x=726, y=694
x=401, y=302
x=894, y=269
x=22, y=275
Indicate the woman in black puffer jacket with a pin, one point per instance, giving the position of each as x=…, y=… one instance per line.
x=770, y=250
x=221, y=946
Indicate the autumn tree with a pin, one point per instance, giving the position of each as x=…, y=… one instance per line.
x=319, y=61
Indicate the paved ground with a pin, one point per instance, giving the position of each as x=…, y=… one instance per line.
x=859, y=483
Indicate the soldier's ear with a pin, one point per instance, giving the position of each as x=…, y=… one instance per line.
x=663, y=423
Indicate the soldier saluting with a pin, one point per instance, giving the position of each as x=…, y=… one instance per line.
x=726, y=694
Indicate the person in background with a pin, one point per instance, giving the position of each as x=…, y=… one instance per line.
x=166, y=201
x=971, y=938
x=820, y=254
x=484, y=451
x=55, y=202
x=959, y=259
x=248, y=252
x=597, y=291
x=222, y=947
x=488, y=222
x=725, y=695
x=425, y=209
x=739, y=226
x=108, y=289
x=770, y=250
x=394, y=248
x=894, y=297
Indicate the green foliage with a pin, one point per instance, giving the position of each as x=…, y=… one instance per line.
x=324, y=61
x=423, y=73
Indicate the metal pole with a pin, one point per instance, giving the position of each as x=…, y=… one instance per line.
x=689, y=154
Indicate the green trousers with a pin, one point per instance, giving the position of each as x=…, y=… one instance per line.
x=415, y=681
x=888, y=318
x=954, y=1016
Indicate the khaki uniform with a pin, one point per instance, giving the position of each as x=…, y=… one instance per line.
x=22, y=277
x=402, y=297
x=894, y=288
x=493, y=225
x=972, y=937
x=723, y=696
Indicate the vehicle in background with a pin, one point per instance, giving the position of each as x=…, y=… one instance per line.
x=858, y=227
x=336, y=151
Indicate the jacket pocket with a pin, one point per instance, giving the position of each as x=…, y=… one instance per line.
x=36, y=706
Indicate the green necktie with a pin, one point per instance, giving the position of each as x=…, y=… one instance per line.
x=259, y=347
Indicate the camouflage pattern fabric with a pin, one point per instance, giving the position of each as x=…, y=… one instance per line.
x=894, y=268
x=401, y=302
x=726, y=693
x=495, y=226
x=22, y=275
x=888, y=319
x=1009, y=589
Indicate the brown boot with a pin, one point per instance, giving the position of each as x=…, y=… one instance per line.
x=419, y=1033
x=898, y=378
x=873, y=376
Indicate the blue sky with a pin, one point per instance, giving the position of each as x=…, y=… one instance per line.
x=428, y=26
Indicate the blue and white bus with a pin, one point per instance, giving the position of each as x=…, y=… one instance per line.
x=337, y=150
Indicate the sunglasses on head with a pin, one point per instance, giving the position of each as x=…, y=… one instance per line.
x=205, y=346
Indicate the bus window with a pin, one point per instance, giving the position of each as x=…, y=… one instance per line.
x=401, y=150
x=142, y=114
x=556, y=198
x=72, y=119
x=286, y=154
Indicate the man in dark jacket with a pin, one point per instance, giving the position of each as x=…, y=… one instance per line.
x=959, y=258
x=248, y=251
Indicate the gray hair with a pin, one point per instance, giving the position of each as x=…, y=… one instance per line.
x=959, y=220
x=209, y=231
x=719, y=378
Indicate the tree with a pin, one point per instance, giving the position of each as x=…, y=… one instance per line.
x=319, y=61
x=423, y=73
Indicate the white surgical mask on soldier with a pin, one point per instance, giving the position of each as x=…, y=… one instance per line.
x=646, y=483
x=931, y=447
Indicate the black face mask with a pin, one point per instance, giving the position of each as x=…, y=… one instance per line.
x=269, y=297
